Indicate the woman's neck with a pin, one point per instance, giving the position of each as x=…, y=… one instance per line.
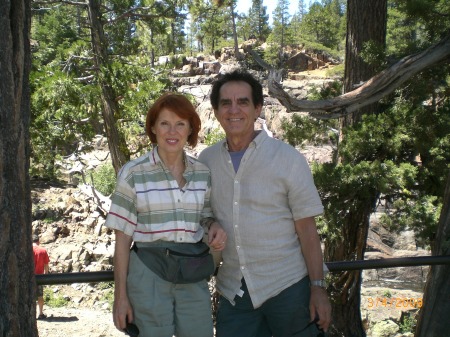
x=172, y=160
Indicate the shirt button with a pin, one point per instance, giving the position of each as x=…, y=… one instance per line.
x=236, y=226
x=242, y=267
x=235, y=203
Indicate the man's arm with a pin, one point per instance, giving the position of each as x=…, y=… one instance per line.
x=310, y=244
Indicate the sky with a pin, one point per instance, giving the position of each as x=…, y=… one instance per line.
x=244, y=5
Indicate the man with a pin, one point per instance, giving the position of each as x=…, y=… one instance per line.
x=271, y=281
x=41, y=261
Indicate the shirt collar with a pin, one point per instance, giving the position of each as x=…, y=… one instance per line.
x=256, y=142
x=156, y=159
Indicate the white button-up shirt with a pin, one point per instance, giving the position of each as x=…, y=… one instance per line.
x=257, y=207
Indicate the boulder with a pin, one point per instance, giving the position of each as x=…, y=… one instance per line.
x=385, y=329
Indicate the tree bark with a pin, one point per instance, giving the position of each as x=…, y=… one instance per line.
x=233, y=24
x=17, y=280
x=110, y=109
x=434, y=314
x=366, y=21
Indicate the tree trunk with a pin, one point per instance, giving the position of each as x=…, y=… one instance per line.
x=366, y=21
x=434, y=315
x=345, y=287
x=17, y=290
x=235, y=38
x=110, y=109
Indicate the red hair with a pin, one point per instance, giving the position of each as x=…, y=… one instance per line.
x=179, y=105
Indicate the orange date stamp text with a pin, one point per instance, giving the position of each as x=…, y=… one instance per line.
x=394, y=302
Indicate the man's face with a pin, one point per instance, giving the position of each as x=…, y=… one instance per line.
x=236, y=111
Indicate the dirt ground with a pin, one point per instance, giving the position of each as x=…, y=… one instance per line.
x=77, y=322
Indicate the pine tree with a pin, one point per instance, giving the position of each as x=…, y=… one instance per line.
x=259, y=20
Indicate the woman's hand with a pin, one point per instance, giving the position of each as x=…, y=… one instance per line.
x=217, y=237
x=122, y=312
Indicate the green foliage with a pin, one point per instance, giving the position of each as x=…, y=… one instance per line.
x=387, y=293
x=107, y=289
x=65, y=103
x=420, y=213
x=258, y=20
x=302, y=130
x=408, y=324
x=273, y=54
x=281, y=18
x=211, y=24
x=336, y=71
x=54, y=32
x=328, y=90
x=60, y=108
x=413, y=193
x=400, y=33
x=104, y=179
x=312, y=46
x=374, y=54
x=378, y=161
x=176, y=61
x=323, y=24
x=50, y=219
x=214, y=136
x=53, y=300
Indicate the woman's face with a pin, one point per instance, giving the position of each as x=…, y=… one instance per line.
x=171, y=131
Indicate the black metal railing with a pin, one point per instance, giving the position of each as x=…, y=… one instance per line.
x=106, y=276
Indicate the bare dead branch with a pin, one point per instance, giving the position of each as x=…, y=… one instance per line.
x=370, y=92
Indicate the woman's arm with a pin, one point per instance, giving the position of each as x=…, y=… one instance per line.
x=122, y=310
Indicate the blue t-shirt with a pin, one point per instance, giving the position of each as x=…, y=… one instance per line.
x=236, y=158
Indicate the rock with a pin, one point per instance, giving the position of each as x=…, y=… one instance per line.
x=385, y=303
x=385, y=329
x=210, y=67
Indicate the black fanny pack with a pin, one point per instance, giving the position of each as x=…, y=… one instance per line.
x=177, y=262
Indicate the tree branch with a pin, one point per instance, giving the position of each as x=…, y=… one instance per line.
x=370, y=92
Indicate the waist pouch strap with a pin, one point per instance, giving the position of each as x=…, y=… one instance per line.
x=177, y=262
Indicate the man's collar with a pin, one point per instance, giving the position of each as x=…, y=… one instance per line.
x=260, y=136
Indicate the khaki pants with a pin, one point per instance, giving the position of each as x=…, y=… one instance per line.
x=164, y=309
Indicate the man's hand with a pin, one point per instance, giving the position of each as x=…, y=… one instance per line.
x=319, y=306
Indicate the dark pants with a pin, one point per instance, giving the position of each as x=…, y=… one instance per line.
x=285, y=315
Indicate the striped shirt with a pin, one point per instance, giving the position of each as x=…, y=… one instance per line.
x=148, y=204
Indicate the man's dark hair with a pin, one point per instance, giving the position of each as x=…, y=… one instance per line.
x=35, y=238
x=238, y=75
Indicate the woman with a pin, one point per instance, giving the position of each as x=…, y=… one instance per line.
x=161, y=198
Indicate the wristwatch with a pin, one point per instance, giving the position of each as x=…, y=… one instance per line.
x=318, y=283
